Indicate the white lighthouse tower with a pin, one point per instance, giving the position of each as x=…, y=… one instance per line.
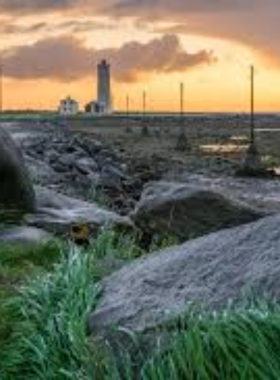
x=103, y=104
x=104, y=87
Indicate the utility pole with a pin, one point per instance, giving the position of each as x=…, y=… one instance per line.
x=127, y=113
x=182, y=93
x=127, y=105
x=182, y=142
x=144, y=100
x=144, y=106
x=1, y=86
x=252, y=98
x=252, y=165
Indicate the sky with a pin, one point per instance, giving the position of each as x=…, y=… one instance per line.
x=49, y=49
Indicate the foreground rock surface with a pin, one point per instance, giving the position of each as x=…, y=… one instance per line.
x=186, y=210
x=21, y=235
x=211, y=270
x=57, y=212
x=16, y=192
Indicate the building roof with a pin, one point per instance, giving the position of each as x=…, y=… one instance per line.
x=69, y=99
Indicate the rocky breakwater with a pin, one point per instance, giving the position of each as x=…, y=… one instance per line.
x=84, y=168
x=52, y=211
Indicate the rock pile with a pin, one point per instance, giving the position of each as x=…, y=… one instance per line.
x=85, y=168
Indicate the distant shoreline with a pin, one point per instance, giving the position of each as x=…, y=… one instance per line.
x=122, y=114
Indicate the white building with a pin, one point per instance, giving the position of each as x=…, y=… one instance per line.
x=95, y=108
x=68, y=106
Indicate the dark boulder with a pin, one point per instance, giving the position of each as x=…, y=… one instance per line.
x=185, y=211
x=16, y=191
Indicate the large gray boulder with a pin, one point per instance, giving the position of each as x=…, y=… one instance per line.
x=212, y=270
x=186, y=210
x=16, y=192
x=263, y=195
x=57, y=212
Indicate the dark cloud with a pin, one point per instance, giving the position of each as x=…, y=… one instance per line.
x=148, y=8
x=251, y=22
x=65, y=58
x=75, y=26
x=30, y=6
x=10, y=28
x=159, y=55
x=130, y=8
x=61, y=58
x=254, y=23
x=83, y=26
x=258, y=30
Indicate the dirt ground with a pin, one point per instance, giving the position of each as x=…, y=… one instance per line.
x=216, y=143
x=212, y=146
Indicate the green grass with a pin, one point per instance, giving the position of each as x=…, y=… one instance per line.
x=114, y=245
x=232, y=345
x=48, y=337
x=49, y=340
x=112, y=250
x=96, y=196
x=17, y=264
x=236, y=344
x=270, y=161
